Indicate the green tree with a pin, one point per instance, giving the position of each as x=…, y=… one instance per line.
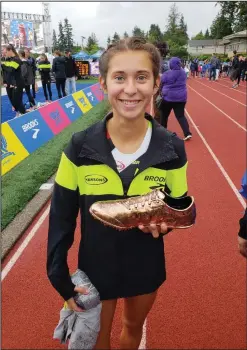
x=68, y=34
x=198, y=36
x=109, y=40
x=220, y=27
x=176, y=33
x=207, y=35
x=126, y=35
x=183, y=28
x=61, y=38
x=92, y=44
x=138, y=32
x=115, y=37
x=54, y=40
x=154, y=34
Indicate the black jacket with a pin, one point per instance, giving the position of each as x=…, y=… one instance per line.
x=70, y=67
x=86, y=159
x=58, y=67
x=13, y=72
x=27, y=73
x=32, y=62
x=44, y=68
x=235, y=62
x=243, y=226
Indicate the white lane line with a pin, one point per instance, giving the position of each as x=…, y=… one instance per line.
x=143, y=344
x=24, y=244
x=222, y=93
x=220, y=166
x=234, y=121
x=229, y=87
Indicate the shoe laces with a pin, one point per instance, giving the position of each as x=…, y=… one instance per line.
x=141, y=201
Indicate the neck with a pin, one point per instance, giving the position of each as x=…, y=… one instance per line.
x=127, y=130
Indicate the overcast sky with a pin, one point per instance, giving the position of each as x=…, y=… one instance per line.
x=104, y=18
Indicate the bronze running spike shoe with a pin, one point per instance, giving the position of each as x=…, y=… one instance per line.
x=154, y=207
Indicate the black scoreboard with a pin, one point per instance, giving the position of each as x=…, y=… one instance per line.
x=83, y=68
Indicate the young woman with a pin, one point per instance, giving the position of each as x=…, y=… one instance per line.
x=13, y=79
x=174, y=96
x=58, y=68
x=123, y=152
x=44, y=68
x=27, y=73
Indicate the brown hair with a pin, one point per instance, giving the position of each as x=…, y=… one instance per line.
x=22, y=53
x=11, y=47
x=44, y=55
x=130, y=44
x=57, y=52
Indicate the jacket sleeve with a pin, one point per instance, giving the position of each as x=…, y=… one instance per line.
x=62, y=223
x=54, y=66
x=243, y=226
x=76, y=69
x=176, y=178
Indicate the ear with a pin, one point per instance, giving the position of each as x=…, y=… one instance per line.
x=102, y=84
x=157, y=85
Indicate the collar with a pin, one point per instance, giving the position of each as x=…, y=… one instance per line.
x=96, y=146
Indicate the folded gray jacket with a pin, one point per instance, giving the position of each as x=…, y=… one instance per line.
x=80, y=328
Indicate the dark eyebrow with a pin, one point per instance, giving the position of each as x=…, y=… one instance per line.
x=139, y=71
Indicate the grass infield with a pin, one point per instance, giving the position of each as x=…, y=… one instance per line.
x=21, y=183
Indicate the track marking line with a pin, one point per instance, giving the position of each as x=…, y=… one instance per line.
x=234, y=121
x=24, y=244
x=220, y=166
x=228, y=87
x=143, y=344
x=222, y=93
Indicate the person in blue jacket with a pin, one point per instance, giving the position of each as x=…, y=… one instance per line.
x=242, y=234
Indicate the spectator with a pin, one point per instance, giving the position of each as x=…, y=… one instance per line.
x=174, y=96
x=13, y=79
x=213, y=65
x=71, y=72
x=242, y=234
x=193, y=66
x=32, y=62
x=27, y=73
x=44, y=68
x=235, y=73
x=218, y=68
x=58, y=68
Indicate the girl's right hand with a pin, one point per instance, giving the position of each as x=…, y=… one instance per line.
x=71, y=302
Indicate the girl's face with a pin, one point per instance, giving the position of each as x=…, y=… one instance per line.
x=9, y=53
x=130, y=84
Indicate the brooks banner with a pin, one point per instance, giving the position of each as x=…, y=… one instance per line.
x=24, y=135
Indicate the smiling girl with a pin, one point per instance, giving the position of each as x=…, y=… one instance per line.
x=120, y=156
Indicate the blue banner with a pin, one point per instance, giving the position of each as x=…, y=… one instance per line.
x=91, y=97
x=70, y=107
x=32, y=130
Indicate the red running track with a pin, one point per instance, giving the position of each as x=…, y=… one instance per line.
x=203, y=302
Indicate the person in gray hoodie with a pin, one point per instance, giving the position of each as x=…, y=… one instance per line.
x=58, y=68
x=214, y=63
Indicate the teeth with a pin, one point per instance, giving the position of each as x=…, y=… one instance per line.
x=130, y=102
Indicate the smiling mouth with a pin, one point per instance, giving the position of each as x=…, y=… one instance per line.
x=130, y=102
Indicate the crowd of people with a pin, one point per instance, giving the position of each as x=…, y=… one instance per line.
x=19, y=71
x=214, y=68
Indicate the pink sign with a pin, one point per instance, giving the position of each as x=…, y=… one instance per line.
x=55, y=117
x=99, y=94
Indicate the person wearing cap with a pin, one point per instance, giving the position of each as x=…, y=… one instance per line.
x=71, y=73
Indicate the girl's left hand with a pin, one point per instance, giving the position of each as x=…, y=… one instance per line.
x=156, y=230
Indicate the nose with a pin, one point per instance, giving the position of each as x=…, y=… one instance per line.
x=130, y=87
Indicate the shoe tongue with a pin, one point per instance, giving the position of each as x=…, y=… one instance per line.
x=160, y=194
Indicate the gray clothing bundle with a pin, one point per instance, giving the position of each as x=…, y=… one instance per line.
x=80, y=328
